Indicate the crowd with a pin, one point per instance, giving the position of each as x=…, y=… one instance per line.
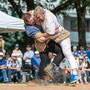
x=14, y=63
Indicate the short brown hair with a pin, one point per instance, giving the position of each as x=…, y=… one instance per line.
x=26, y=16
x=38, y=10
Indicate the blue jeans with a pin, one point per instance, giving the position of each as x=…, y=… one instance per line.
x=4, y=73
x=10, y=72
x=88, y=74
x=82, y=77
x=36, y=73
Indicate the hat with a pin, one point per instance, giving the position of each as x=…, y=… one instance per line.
x=1, y=36
x=75, y=54
x=84, y=52
x=1, y=54
x=28, y=46
x=13, y=54
x=36, y=52
x=16, y=45
x=74, y=46
x=54, y=54
x=81, y=57
x=79, y=51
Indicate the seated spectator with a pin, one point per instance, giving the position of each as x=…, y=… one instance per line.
x=79, y=53
x=36, y=63
x=27, y=57
x=84, y=53
x=82, y=73
x=76, y=58
x=53, y=57
x=86, y=67
x=74, y=49
x=13, y=67
x=3, y=67
x=64, y=66
x=19, y=54
x=7, y=56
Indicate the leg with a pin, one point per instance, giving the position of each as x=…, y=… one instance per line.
x=19, y=76
x=4, y=75
x=9, y=75
x=66, y=48
x=56, y=48
x=44, y=62
x=87, y=73
x=36, y=74
x=64, y=79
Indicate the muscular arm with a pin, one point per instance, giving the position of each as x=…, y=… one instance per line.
x=42, y=37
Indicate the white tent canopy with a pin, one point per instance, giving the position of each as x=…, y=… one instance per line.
x=10, y=24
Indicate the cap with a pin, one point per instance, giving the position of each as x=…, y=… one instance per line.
x=84, y=52
x=81, y=57
x=79, y=51
x=0, y=36
x=16, y=45
x=54, y=54
x=1, y=54
x=74, y=46
x=75, y=54
x=28, y=46
x=13, y=54
x=36, y=52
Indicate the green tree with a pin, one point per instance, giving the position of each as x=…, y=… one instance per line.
x=80, y=6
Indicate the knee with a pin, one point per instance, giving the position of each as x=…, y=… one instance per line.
x=9, y=70
x=4, y=70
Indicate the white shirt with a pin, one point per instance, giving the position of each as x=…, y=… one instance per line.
x=50, y=24
x=28, y=54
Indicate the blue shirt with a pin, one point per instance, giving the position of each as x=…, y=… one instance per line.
x=31, y=30
x=28, y=54
x=3, y=62
x=88, y=54
x=35, y=61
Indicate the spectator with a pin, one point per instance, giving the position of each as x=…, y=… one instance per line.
x=53, y=57
x=86, y=67
x=79, y=53
x=3, y=67
x=19, y=54
x=81, y=49
x=2, y=44
x=13, y=67
x=82, y=73
x=88, y=52
x=84, y=53
x=27, y=56
x=36, y=63
x=7, y=56
x=76, y=58
x=74, y=49
x=64, y=66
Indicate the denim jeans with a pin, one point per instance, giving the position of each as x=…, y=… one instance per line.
x=36, y=74
x=82, y=77
x=4, y=73
x=88, y=74
x=10, y=72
